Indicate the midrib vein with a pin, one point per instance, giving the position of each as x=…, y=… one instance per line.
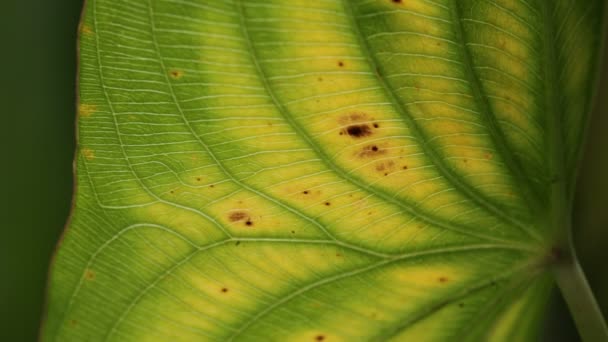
x=496, y=134
x=418, y=134
x=327, y=161
x=559, y=206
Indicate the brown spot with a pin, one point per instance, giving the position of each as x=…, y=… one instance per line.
x=488, y=156
x=237, y=216
x=85, y=110
x=305, y=192
x=293, y=232
x=327, y=204
x=358, y=131
x=249, y=222
x=73, y=322
x=320, y=338
x=320, y=79
x=89, y=275
x=176, y=74
x=198, y=179
x=371, y=150
x=171, y=191
x=376, y=125
x=404, y=167
x=397, y=1
x=338, y=255
x=212, y=186
x=442, y=279
x=465, y=161
x=340, y=64
x=461, y=305
x=224, y=290
x=237, y=243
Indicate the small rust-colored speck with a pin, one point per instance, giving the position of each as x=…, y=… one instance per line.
x=404, y=167
x=212, y=186
x=320, y=338
x=305, y=192
x=89, y=275
x=340, y=63
x=237, y=216
x=443, y=279
x=249, y=223
x=198, y=179
x=224, y=290
x=176, y=74
x=376, y=125
x=397, y=1
x=88, y=154
x=375, y=148
x=85, y=110
x=171, y=191
x=358, y=131
x=86, y=29
x=327, y=204
x=386, y=173
x=293, y=232
x=73, y=322
x=338, y=255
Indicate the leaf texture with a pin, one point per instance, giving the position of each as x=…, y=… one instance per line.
x=321, y=170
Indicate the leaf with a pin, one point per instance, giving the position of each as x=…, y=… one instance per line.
x=322, y=170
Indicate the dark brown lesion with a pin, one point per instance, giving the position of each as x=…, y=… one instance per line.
x=241, y=216
x=359, y=131
x=237, y=216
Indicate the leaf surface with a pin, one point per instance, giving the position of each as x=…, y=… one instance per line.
x=321, y=170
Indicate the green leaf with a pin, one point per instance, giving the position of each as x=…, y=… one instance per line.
x=323, y=170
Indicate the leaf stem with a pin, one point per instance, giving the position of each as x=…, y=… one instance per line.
x=575, y=289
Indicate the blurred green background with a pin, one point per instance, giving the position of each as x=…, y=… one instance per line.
x=38, y=59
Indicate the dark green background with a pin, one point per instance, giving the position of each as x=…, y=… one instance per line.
x=38, y=67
